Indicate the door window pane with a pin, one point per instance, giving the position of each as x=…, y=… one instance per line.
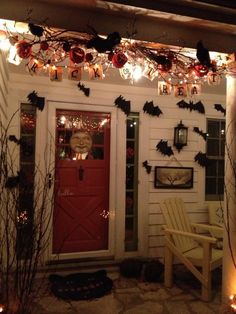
x=131, y=206
x=80, y=134
x=25, y=213
x=215, y=147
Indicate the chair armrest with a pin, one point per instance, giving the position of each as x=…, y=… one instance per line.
x=207, y=227
x=194, y=236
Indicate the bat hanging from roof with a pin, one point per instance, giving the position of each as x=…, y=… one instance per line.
x=123, y=104
x=203, y=54
x=36, y=101
x=198, y=106
x=163, y=147
x=151, y=109
x=147, y=166
x=220, y=108
x=200, y=132
x=84, y=89
x=202, y=159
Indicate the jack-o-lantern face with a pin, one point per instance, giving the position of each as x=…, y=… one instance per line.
x=77, y=55
x=81, y=142
x=119, y=60
x=200, y=70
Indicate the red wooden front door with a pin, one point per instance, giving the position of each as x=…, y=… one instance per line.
x=80, y=221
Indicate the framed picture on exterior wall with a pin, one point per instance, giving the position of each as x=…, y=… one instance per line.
x=173, y=177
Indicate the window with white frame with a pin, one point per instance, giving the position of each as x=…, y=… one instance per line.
x=215, y=150
x=131, y=206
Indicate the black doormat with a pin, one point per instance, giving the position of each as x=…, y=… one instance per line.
x=81, y=286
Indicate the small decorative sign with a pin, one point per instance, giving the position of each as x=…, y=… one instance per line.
x=164, y=88
x=173, y=177
x=74, y=74
x=194, y=89
x=95, y=72
x=150, y=72
x=126, y=71
x=180, y=90
x=213, y=78
x=55, y=74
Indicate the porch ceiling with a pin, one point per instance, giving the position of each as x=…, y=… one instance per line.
x=169, y=22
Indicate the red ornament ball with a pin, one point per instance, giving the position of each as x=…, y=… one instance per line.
x=44, y=45
x=88, y=57
x=77, y=55
x=200, y=70
x=119, y=60
x=23, y=49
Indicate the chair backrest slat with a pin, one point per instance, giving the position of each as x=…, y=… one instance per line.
x=175, y=217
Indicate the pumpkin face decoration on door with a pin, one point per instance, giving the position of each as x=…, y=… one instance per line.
x=81, y=143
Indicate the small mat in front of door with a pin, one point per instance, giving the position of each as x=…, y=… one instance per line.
x=81, y=286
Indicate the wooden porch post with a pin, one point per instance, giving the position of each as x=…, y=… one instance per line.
x=229, y=256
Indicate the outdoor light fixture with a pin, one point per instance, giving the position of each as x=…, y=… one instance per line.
x=180, y=136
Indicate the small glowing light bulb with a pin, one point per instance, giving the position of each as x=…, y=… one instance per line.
x=137, y=72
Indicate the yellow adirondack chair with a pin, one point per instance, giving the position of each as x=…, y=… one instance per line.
x=195, y=251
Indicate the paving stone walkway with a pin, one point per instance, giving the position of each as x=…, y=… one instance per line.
x=134, y=296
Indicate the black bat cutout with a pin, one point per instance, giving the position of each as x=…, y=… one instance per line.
x=200, y=132
x=36, y=101
x=220, y=108
x=123, y=104
x=198, y=106
x=202, y=159
x=104, y=44
x=151, y=109
x=14, y=181
x=147, y=166
x=163, y=147
x=12, y=138
x=85, y=90
x=27, y=149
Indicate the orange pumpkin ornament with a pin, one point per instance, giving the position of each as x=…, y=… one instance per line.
x=77, y=55
x=119, y=60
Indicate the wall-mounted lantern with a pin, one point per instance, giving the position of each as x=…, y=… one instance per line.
x=180, y=136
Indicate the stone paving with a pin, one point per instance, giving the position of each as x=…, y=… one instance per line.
x=134, y=296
